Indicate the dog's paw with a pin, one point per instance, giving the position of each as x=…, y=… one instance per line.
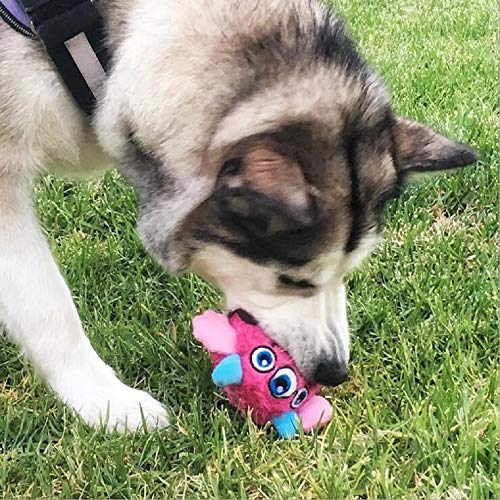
x=124, y=410
x=101, y=399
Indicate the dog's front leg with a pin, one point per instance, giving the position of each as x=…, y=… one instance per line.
x=37, y=309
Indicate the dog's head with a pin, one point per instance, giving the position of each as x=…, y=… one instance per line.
x=286, y=176
x=299, y=205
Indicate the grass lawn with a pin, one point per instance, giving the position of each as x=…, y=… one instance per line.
x=419, y=415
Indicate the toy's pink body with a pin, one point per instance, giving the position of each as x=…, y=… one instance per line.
x=267, y=383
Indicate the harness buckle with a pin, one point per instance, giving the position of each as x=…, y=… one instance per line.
x=57, y=22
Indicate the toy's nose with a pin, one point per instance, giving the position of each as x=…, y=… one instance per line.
x=331, y=372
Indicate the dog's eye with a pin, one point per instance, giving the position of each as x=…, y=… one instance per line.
x=284, y=383
x=299, y=398
x=284, y=279
x=232, y=167
x=263, y=359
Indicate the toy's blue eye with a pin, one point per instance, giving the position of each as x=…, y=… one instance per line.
x=299, y=398
x=283, y=383
x=263, y=359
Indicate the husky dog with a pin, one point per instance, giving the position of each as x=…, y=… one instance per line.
x=262, y=149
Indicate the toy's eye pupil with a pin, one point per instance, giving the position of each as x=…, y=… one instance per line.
x=264, y=359
x=282, y=384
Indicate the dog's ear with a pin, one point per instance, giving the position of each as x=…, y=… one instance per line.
x=421, y=149
x=263, y=189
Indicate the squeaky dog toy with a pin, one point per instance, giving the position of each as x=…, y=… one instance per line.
x=259, y=376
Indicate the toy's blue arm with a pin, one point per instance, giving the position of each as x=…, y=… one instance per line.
x=228, y=371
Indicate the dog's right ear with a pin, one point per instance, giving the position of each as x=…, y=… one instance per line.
x=420, y=149
x=262, y=189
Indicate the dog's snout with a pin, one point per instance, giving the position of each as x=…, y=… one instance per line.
x=331, y=372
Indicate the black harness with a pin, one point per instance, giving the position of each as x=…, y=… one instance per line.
x=72, y=32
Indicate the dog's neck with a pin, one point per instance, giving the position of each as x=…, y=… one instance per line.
x=116, y=15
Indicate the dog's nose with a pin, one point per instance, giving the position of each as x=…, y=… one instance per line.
x=331, y=372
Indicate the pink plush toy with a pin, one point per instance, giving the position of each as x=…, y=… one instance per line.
x=258, y=375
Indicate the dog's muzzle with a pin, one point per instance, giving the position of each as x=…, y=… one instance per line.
x=331, y=372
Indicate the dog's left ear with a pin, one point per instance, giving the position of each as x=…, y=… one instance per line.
x=264, y=188
x=421, y=149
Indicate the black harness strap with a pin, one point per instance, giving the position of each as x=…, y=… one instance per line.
x=57, y=22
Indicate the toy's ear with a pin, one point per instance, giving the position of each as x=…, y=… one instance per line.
x=315, y=411
x=228, y=372
x=286, y=424
x=214, y=332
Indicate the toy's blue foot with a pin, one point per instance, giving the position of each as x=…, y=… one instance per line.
x=286, y=424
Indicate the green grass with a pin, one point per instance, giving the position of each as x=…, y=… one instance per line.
x=419, y=415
